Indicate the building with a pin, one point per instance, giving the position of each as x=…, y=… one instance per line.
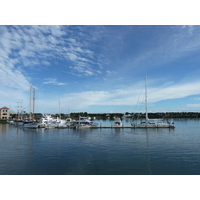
x=4, y=113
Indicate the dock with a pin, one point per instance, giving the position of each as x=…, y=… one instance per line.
x=132, y=127
x=126, y=127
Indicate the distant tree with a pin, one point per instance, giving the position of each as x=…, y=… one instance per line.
x=85, y=114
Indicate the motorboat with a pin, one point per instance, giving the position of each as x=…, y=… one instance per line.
x=61, y=123
x=118, y=122
x=83, y=122
x=68, y=121
x=47, y=121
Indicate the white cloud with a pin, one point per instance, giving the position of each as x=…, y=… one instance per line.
x=83, y=70
x=33, y=45
x=72, y=56
x=129, y=96
x=53, y=81
x=193, y=105
x=13, y=78
x=174, y=91
x=56, y=30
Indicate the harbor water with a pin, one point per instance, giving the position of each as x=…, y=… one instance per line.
x=105, y=151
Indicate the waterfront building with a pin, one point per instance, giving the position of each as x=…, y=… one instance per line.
x=4, y=113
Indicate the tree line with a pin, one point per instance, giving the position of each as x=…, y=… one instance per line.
x=75, y=115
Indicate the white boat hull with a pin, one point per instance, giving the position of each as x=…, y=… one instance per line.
x=62, y=126
x=82, y=126
x=118, y=122
x=50, y=126
x=147, y=125
x=31, y=125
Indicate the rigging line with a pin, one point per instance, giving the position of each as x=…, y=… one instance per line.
x=142, y=88
x=140, y=109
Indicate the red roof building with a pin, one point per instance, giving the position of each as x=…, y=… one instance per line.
x=4, y=108
x=4, y=113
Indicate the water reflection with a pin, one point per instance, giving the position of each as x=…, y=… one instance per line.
x=148, y=153
x=100, y=151
x=4, y=128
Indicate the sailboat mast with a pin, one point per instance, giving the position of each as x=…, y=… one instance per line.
x=146, y=106
x=33, y=102
x=59, y=109
x=30, y=117
x=18, y=110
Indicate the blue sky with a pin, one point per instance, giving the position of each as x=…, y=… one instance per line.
x=101, y=68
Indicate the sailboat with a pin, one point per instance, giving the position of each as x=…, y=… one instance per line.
x=152, y=123
x=60, y=123
x=31, y=123
x=19, y=120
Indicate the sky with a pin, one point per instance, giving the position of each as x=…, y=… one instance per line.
x=100, y=68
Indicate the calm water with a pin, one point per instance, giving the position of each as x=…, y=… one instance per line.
x=101, y=151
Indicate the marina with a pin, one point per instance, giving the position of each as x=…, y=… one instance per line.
x=83, y=122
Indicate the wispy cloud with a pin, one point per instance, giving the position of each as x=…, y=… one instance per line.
x=82, y=71
x=131, y=94
x=53, y=81
x=13, y=78
x=32, y=44
x=193, y=105
x=168, y=47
